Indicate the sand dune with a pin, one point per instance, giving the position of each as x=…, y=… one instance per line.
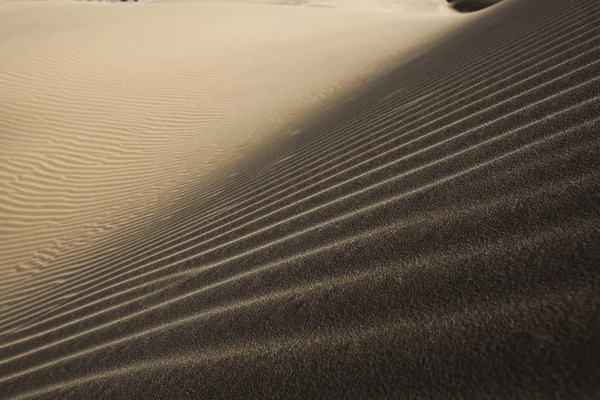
x=107, y=108
x=215, y=201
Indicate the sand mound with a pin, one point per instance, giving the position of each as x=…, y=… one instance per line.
x=109, y=109
x=432, y=233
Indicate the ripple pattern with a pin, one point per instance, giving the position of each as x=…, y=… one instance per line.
x=436, y=236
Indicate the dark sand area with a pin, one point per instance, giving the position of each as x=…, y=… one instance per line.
x=437, y=236
x=472, y=5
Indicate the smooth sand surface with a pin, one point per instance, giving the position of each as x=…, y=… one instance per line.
x=289, y=201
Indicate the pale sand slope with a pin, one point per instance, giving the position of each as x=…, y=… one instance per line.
x=107, y=109
x=426, y=6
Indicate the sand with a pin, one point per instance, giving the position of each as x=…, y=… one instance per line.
x=316, y=200
x=107, y=109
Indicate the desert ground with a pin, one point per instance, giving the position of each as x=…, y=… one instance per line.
x=300, y=199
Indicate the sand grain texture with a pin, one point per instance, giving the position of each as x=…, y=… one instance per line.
x=421, y=223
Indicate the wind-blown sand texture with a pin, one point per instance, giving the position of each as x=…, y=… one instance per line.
x=266, y=201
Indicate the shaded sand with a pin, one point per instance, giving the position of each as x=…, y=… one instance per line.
x=435, y=235
x=472, y=5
